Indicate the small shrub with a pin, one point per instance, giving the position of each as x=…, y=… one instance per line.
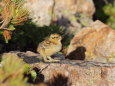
x=110, y=11
x=11, y=71
x=11, y=14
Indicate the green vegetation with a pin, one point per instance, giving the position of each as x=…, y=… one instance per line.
x=28, y=36
x=105, y=11
x=109, y=9
x=14, y=72
x=11, y=14
x=11, y=72
x=30, y=72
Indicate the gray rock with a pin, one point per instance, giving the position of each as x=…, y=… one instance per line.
x=72, y=15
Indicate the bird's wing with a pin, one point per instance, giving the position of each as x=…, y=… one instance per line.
x=45, y=44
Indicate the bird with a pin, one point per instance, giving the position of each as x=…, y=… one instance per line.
x=49, y=47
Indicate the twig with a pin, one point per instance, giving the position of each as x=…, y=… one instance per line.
x=6, y=29
x=0, y=17
x=43, y=68
x=6, y=22
x=1, y=21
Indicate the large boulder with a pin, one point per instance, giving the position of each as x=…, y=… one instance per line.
x=67, y=72
x=40, y=11
x=67, y=8
x=93, y=43
x=70, y=14
x=73, y=14
x=77, y=73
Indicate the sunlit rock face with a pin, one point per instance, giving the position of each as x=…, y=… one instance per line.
x=71, y=7
x=40, y=11
x=93, y=43
x=73, y=14
x=70, y=14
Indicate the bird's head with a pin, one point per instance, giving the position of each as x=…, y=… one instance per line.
x=55, y=37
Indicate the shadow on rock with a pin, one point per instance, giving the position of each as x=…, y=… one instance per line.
x=78, y=54
x=39, y=77
x=59, y=80
x=29, y=59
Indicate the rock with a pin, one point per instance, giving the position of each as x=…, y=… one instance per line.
x=29, y=56
x=68, y=72
x=77, y=73
x=68, y=8
x=40, y=11
x=95, y=43
x=70, y=14
x=30, y=53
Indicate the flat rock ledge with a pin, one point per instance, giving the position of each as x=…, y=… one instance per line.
x=71, y=72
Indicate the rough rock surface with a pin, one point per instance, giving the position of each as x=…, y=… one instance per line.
x=70, y=72
x=71, y=14
x=78, y=73
x=96, y=42
x=40, y=11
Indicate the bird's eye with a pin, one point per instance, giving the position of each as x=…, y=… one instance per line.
x=54, y=37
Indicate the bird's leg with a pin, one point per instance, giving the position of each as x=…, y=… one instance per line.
x=42, y=53
x=47, y=58
x=52, y=60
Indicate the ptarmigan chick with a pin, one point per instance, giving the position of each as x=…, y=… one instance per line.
x=49, y=47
